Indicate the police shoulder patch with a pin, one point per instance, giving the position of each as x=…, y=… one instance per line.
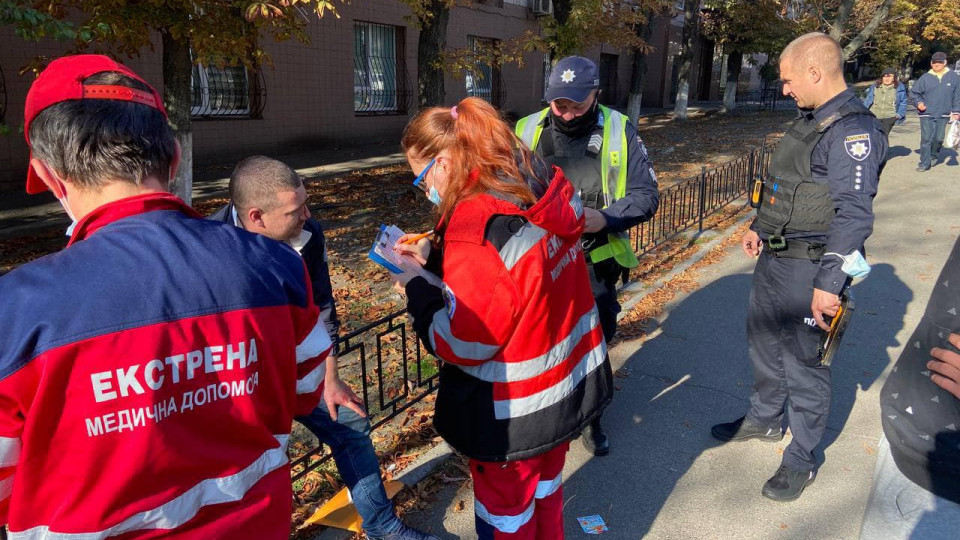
x=857, y=146
x=450, y=300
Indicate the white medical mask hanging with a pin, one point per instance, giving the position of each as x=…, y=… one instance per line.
x=73, y=220
x=854, y=265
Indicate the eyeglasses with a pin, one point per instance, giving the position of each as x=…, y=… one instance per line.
x=419, y=183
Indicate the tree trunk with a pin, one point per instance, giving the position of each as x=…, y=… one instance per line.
x=430, y=47
x=734, y=64
x=178, y=98
x=868, y=30
x=639, y=71
x=691, y=23
x=840, y=22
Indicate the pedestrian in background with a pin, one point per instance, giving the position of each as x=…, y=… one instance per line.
x=937, y=95
x=887, y=100
x=524, y=358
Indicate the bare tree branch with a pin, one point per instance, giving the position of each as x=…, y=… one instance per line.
x=868, y=30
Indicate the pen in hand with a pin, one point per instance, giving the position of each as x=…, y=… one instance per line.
x=417, y=238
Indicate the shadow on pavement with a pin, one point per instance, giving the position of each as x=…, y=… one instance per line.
x=695, y=373
x=882, y=301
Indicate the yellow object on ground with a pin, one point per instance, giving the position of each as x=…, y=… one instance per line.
x=339, y=511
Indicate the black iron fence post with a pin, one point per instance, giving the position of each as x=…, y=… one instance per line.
x=703, y=195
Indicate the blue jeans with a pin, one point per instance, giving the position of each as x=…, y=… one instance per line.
x=349, y=442
x=932, y=131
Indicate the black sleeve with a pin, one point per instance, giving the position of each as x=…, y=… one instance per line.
x=423, y=301
x=642, y=196
x=315, y=256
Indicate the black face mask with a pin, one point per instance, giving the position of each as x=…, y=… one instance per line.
x=579, y=126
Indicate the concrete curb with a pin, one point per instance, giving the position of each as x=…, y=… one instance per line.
x=431, y=460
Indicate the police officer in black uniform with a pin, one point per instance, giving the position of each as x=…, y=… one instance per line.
x=815, y=213
x=602, y=155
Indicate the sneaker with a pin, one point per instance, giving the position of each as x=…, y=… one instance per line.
x=921, y=168
x=595, y=440
x=742, y=429
x=787, y=484
x=404, y=533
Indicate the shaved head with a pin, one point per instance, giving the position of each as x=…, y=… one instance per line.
x=811, y=70
x=815, y=50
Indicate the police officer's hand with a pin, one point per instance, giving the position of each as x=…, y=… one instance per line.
x=750, y=243
x=954, y=117
x=593, y=220
x=946, y=367
x=921, y=107
x=824, y=303
x=336, y=392
x=419, y=250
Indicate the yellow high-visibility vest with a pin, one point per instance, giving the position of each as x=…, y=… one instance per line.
x=613, y=174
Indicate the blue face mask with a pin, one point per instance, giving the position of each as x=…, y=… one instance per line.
x=434, y=196
x=854, y=265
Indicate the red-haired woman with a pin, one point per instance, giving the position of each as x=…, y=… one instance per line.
x=514, y=321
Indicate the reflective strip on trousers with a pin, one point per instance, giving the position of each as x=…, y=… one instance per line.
x=9, y=451
x=182, y=508
x=546, y=488
x=504, y=524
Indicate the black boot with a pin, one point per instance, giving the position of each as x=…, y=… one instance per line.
x=787, y=484
x=742, y=429
x=595, y=440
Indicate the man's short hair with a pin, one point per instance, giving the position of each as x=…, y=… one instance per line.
x=92, y=142
x=256, y=181
x=815, y=49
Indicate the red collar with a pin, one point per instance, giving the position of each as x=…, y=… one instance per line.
x=124, y=208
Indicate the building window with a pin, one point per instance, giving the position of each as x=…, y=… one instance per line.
x=484, y=81
x=230, y=91
x=379, y=81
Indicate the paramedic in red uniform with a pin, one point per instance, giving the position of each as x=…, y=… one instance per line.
x=524, y=359
x=150, y=371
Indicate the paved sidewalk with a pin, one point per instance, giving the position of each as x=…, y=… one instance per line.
x=667, y=478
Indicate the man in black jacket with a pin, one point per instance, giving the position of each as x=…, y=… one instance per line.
x=916, y=486
x=267, y=197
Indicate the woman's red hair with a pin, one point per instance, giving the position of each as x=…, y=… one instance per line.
x=482, y=149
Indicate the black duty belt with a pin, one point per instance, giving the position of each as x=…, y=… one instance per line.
x=798, y=249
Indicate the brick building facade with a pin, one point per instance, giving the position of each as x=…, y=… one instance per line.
x=355, y=82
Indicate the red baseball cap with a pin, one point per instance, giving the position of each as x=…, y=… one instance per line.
x=62, y=80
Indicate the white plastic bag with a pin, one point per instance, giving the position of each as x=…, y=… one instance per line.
x=952, y=140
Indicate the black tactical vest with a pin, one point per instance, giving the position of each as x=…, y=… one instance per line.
x=581, y=168
x=792, y=201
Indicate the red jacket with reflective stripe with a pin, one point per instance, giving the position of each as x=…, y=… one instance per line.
x=148, y=378
x=525, y=361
